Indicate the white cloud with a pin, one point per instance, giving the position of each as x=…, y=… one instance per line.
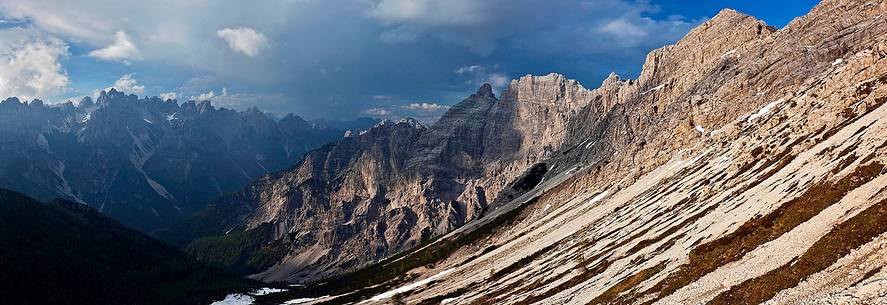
x=379, y=112
x=497, y=80
x=127, y=84
x=468, y=69
x=480, y=75
x=29, y=64
x=426, y=107
x=209, y=95
x=244, y=40
x=122, y=50
x=168, y=96
x=624, y=28
x=204, y=96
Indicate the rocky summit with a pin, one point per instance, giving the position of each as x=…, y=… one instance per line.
x=746, y=164
x=144, y=161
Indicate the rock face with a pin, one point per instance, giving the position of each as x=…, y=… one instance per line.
x=744, y=165
x=145, y=162
x=372, y=195
x=367, y=206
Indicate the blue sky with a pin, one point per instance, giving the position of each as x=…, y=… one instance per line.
x=335, y=58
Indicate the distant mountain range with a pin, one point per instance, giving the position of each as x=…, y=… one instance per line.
x=144, y=161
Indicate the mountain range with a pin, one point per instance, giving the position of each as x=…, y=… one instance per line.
x=144, y=161
x=744, y=165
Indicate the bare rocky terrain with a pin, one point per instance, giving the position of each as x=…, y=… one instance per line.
x=746, y=164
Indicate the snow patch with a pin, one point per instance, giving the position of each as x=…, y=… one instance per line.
x=409, y=287
x=763, y=110
x=448, y=300
x=657, y=88
x=596, y=198
x=700, y=129
x=303, y=300
x=236, y=299
x=248, y=299
x=728, y=53
x=838, y=61
x=265, y=291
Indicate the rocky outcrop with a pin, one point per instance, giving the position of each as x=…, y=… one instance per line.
x=145, y=162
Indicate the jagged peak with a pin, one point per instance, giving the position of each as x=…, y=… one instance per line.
x=411, y=122
x=553, y=77
x=106, y=96
x=704, y=44
x=296, y=118
x=485, y=90
x=383, y=122
x=611, y=79
x=86, y=101
x=11, y=100
x=529, y=83
x=727, y=13
x=727, y=19
x=205, y=106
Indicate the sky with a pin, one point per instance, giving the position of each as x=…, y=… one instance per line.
x=335, y=58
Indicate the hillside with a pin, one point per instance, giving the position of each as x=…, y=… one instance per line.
x=62, y=252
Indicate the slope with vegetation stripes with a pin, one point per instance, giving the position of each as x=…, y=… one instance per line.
x=745, y=165
x=62, y=252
